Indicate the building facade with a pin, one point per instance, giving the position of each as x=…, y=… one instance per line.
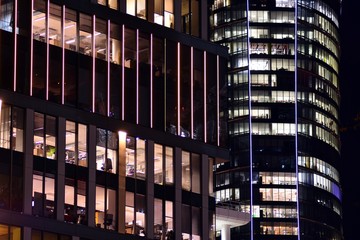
x=110, y=123
x=283, y=116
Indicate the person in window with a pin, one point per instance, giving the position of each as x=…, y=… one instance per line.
x=107, y=165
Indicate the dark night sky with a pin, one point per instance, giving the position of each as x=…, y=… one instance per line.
x=350, y=110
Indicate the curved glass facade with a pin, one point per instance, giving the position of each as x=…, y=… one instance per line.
x=283, y=116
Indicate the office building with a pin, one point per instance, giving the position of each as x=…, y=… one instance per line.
x=283, y=117
x=111, y=119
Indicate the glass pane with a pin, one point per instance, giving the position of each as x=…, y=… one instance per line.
x=100, y=149
x=158, y=218
x=15, y=233
x=198, y=95
x=70, y=27
x=141, y=9
x=130, y=74
x=140, y=215
x=85, y=34
x=140, y=159
x=70, y=152
x=6, y=16
x=185, y=167
x=50, y=197
x=130, y=7
x=18, y=129
x=5, y=126
x=111, y=209
x=82, y=145
x=113, y=4
x=81, y=202
x=112, y=150
x=171, y=87
x=70, y=214
x=55, y=36
x=51, y=137
x=158, y=164
x=169, y=218
x=144, y=79
x=195, y=173
x=185, y=92
x=39, y=20
x=100, y=206
x=169, y=165
x=101, y=39
x=129, y=213
x=158, y=84
x=38, y=134
x=130, y=157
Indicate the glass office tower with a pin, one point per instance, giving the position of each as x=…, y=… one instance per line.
x=283, y=116
x=110, y=120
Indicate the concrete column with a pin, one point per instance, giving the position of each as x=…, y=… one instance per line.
x=60, y=178
x=205, y=196
x=122, y=182
x=26, y=233
x=28, y=160
x=91, y=188
x=225, y=232
x=178, y=191
x=150, y=189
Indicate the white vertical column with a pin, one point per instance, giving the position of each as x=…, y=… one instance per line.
x=225, y=232
x=93, y=63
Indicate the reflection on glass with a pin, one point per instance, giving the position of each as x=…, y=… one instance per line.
x=130, y=156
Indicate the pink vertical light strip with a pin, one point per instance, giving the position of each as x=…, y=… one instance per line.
x=205, y=90
x=151, y=81
x=31, y=48
x=218, y=100
x=108, y=67
x=123, y=74
x=178, y=90
x=15, y=44
x=192, y=91
x=93, y=63
x=47, y=50
x=63, y=56
x=137, y=76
